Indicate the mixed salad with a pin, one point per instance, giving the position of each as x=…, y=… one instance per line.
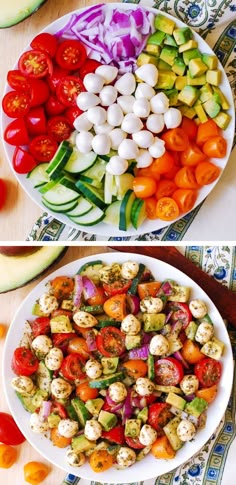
x=117, y=117
x=114, y=365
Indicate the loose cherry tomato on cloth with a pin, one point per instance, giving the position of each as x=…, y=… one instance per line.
x=39, y=92
x=168, y=371
x=84, y=392
x=59, y=440
x=36, y=121
x=216, y=147
x=158, y=415
x=23, y=162
x=178, y=312
x=192, y=155
x=117, y=287
x=24, y=362
x=116, y=307
x=206, y=173
x=185, y=199
x=144, y=186
x=207, y=130
x=185, y=178
x=208, y=371
x=40, y=326
x=71, y=54
x=134, y=443
x=16, y=104
x=165, y=188
x=68, y=89
x=190, y=128
x=150, y=206
x=17, y=80
x=62, y=287
x=35, y=472
x=115, y=435
x=191, y=352
x=149, y=288
x=167, y=209
x=57, y=74
x=111, y=342
x=163, y=164
x=175, y=139
x=16, y=133
x=8, y=456
x=45, y=42
x=89, y=65
x=99, y=297
x=35, y=64
x=43, y=147
x=71, y=367
x=53, y=106
x=9, y=431
x=136, y=368
x=59, y=128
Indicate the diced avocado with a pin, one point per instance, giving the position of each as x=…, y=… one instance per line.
x=53, y=420
x=132, y=341
x=211, y=107
x=157, y=38
x=213, y=77
x=190, y=45
x=102, y=445
x=103, y=382
x=133, y=427
x=81, y=443
x=186, y=111
x=67, y=305
x=216, y=97
x=181, y=82
x=61, y=324
x=210, y=60
x=201, y=113
x=168, y=389
x=81, y=410
x=196, y=81
x=151, y=367
x=222, y=120
x=191, y=330
x=166, y=80
x=144, y=452
x=44, y=377
x=94, y=406
x=36, y=310
x=196, y=406
x=182, y=35
x=168, y=54
x=107, y=420
x=214, y=348
x=176, y=401
x=164, y=24
x=223, y=101
x=40, y=396
x=170, y=431
x=26, y=402
x=153, y=49
x=169, y=40
x=196, y=67
x=145, y=58
x=188, y=95
x=179, y=66
x=109, y=364
x=190, y=54
x=173, y=96
x=163, y=66
x=206, y=93
x=181, y=293
x=152, y=322
x=143, y=415
x=175, y=344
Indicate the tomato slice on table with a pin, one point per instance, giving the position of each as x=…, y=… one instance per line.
x=3, y=193
x=158, y=415
x=9, y=431
x=208, y=371
x=168, y=371
x=59, y=128
x=40, y=326
x=16, y=133
x=167, y=209
x=43, y=147
x=134, y=443
x=115, y=435
x=23, y=162
x=111, y=342
x=45, y=42
x=35, y=64
x=117, y=287
x=24, y=362
x=16, y=104
x=17, y=80
x=71, y=367
x=179, y=312
x=36, y=121
x=71, y=54
x=68, y=89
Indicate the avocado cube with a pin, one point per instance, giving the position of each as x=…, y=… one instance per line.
x=188, y=95
x=132, y=427
x=109, y=364
x=213, y=77
x=36, y=310
x=222, y=120
x=143, y=415
x=163, y=66
x=53, y=420
x=172, y=94
x=190, y=54
x=210, y=60
x=168, y=54
x=179, y=66
x=223, y=101
x=214, y=348
x=211, y=107
x=166, y=80
x=94, y=406
x=61, y=324
x=152, y=322
x=164, y=24
x=169, y=40
x=156, y=38
x=153, y=49
x=170, y=430
x=145, y=58
x=196, y=81
x=196, y=67
x=180, y=293
x=188, y=112
x=181, y=82
x=192, y=327
x=196, y=406
x=182, y=35
x=132, y=341
x=206, y=93
x=176, y=401
x=191, y=44
x=81, y=443
x=107, y=420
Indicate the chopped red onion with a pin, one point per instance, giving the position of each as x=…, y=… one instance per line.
x=45, y=409
x=89, y=288
x=128, y=408
x=91, y=340
x=180, y=358
x=189, y=397
x=78, y=288
x=140, y=352
x=133, y=303
x=167, y=288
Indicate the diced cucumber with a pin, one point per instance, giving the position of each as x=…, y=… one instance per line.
x=38, y=175
x=48, y=186
x=91, y=193
x=81, y=411
x=83, y=206
x=125, y=210
x=60, y=208
x=170, y=431
x=94, y=216
x=91, y=270
x=59, y=160
x=133, y=288
x=151, y=368
x=59, y=194
x=112, y=214
x=78, y=162
x=97, y=170
x=138, y=212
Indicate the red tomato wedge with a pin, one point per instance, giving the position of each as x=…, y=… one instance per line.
x=35, y=64
x=71, y=54
x=45, y=42
x=23, y=162
x=43, y=147
x=111, y=342
x=208, y=372
x=16, y=133
x=68, y=89
x=71, y=367
x=16, y=104
x=168, y=371
x=24, y=362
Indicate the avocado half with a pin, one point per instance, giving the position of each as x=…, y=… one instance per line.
x=14, y=11
x=17, y=271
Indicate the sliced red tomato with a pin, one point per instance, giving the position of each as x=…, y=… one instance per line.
x=68, y=89
x=45, y=42
x=24, y=362
x=71, y=54
x=36, y=121
x=3, y=193
x=115, y=435
x=35, y=64
x=16, y=104
x=23, y=162
x=89, y=65
x=158, y=415
x=17, y=80
x=178, y=312
x=168, y=371
x=58, y=408
x=62, y=340
x=16, y=133
x=39, y=92
x=71, y=367
x=59, y=128
x=117, y=287
x=53, y=106
x=208, y=371
x=43, y=147
x=40, y=326
x=9, y=431
x=134, y=443
x=111, y=342
x=57, y=74
x=72, y=113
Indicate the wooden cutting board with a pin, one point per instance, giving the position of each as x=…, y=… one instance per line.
x=223, y=298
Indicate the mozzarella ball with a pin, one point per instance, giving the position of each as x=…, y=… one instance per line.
x=204, y=333
x=129, y=270
x=126, y=84
x=54, y=358
x=155, y=123
x=126, y=103
x=41, y=345
x=198, y=308
x=109, y=73
x=186, y=430
x=159, y=345
x=74, y=458
x=130, y=325
x=131, y=123
x=86, y=100
x=84, y=319
x=38, y=424
x=144, y=90
x=82, y=123
x=117, y=135
x=147, y=435
x=24, y=385
x=148, y=73
x=60, y=388
x=48, y=303
x=117, y=165
x=108, y=95
x=93, y=368
x=172, y=118
x=141, y=107
x=68, y=428
x=101, y=144
x=144, y=387
x=144, y=159
x=97, y=115
x=101, y=129
x=143, y=138
x=125, y=457
x=151, y=304
x=93, y=82
x=157, y=149
x=114, y=115
x=117, y=392
x=128, y=149
x=92, y=430
x=189, y=384
x=159, y=103
x=84, y=141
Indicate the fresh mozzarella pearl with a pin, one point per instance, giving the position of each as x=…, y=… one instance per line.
x=147, y=435
x=204, y=333
x=126, y=103
x=198, y=308
x=108, y=95
x=24, y=385
x=141, y=107
x=117, y=391
x=38, y=424
x=159, y=103
x=87, y=100
x=92, y=430
x=129, y=270
x=143, y=90
x=128, y=149
x=189, y=384
x=117, y=165
x=101, y=129
x=48, y=303
x=151, y=304
x=97, y=115
x=144, y=387
x=114, y=115
x=144, y=159
x=42, y=344
x=84, y=319
x=84, y=141
x=125, y=457
x=159, y=345
x=54, y=358
x=82, y=123
x=93, y=83
x=130, y=325
x=147, y=73
x=101, y=144
x=126, y=84
x=143, y=138
x=131, y=123
x=155, y=123
x=93, y=369
x=60, y=388
x=68, y=428
x=157, y=149
x=117, y=135
x=75, y=458
x=186, y=430
x=172, y=118
x=109, y=73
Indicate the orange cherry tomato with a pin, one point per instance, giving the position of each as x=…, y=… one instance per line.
x=84, y=392
x=78, y=345
x=59, y=440
x=62, y=286
x=163, y=164
x=185, y=199
x=148, y=288
x=216, y=147
x=136, y=368
x=206, y=173
x=175, y=139
x=207, y=130
x=144, y=186
x=147, y=172
x=115, y=306
x=192, y=155
x=100, y=460
x=8, y=456
x=162, y=449
x=35, y=472
x=150, y=206
x=191, y=352
x=167, y=209
x=185, y=178
x=165, y=188
x=190, y=127
x=209, y=394
x=99, y=298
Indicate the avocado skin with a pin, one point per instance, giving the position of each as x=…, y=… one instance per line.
x=17, y=20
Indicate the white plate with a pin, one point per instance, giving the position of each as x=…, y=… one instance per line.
x=149, y=225
x=149, y=467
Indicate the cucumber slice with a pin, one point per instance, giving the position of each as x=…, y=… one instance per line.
x=94, y=216
x=138, y=212
x=91, y=270
x=68, y=182
x=108, y=187
x=103, y=382
x=97, y=171
x=92, y=181
x=123, y=182
x=60, y=208
x=38, y=175
x=59, y=160
x=112, y=214
x=91, y=193
x=48, y=186
x=125, y=210
x=82, y=207
x=78, y=162
x=59, y=194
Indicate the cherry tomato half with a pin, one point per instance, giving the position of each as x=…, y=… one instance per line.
x=53, y=106
x=71, y=367
x=59, y=128
x=39, y=92
x=158, y=415
x=134, y=443
x=68, y=89
x=45, y=42
x=175, y=139
x=71, y=54
x=9, y=431
x=115, y=435
x=17, y=80
x=168, y=371
x=43, y=147
x=117, y=287
x=208, y=371
x=16, y=104
x=111, y=342
x=36, y=121
x=24, y=362
x=89, y=65
x=84, y=392
x=40, y=326
x=16, y=133
x=167, y=209
x=35, y=64
x=57, y=74
x=144, y=186
x=178, y=312
x=23, y=162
